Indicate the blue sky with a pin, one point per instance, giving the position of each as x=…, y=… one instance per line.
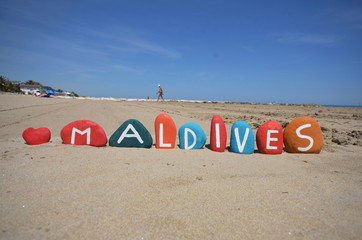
x=248, y=51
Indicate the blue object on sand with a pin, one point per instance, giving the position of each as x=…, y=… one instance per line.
x=49, y=92
x=242, y=138
x=191, y=136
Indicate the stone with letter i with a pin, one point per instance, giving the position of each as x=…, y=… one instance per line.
x=218, y=135
x=165, y=131
x=269, y=138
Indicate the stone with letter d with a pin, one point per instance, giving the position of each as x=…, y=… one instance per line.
x=191, y=136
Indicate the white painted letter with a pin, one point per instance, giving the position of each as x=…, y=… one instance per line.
x=269, y=139
x=188, y=130
x=75, y=130
x=217, y=129
x=306, y=137
x=126, y=135
x=162, y=144
x=241, y=147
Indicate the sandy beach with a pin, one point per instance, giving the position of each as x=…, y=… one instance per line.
x=58, y=191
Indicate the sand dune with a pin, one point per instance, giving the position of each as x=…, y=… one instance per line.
x=57, y=191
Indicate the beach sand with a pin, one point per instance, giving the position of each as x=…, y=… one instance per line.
x=58, y=191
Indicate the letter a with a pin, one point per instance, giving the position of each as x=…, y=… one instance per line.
x=132, y=135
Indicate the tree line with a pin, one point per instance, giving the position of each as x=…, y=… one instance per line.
x=7, y=85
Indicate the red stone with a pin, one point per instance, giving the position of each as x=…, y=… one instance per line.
x=36, y=136
x=84, y=132
x=269, y=138
x=303, y=135
x=165, y=132
x=218, y=135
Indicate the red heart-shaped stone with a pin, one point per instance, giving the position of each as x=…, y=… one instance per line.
x=84, y=132
x=36, y=136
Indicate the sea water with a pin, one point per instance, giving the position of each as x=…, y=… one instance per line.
x=344, y=106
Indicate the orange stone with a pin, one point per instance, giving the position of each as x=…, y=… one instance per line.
x=165, y=132
x=303, y=135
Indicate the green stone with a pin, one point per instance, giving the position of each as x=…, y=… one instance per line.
x=131, y=134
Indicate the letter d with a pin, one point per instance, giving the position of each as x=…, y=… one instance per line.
x=186, y=139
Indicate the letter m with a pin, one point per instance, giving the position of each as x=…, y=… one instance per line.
x=75, y=130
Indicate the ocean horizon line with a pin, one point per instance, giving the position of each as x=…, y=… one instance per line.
x=220, y=101
x=203, y=101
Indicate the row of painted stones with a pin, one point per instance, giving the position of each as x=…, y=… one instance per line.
x=301, y=135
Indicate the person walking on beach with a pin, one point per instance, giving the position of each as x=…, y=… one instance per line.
x=160, y=93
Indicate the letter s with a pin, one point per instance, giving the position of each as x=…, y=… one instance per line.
x=304, y=149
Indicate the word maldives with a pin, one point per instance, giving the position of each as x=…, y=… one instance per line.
x=301, y=135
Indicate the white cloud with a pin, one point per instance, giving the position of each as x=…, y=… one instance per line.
x=128, y=41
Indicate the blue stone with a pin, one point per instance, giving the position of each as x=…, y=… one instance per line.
x=242, y=138
x=131, y=133
x=191, y=136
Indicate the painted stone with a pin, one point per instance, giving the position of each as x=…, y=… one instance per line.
x=37, y=136
x=84, y=132
x=218, y=135
x=165, y=131
x=191, y=136
x=131, y=134
x=242, y=138
x=303, y=135
x=269, y=138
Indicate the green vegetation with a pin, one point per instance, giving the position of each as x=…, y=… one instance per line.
x=75, y=95
x=7, y=85
x=31, y=82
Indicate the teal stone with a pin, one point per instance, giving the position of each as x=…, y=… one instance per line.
x=131, y=134
x=191, y=136
x=242, y=138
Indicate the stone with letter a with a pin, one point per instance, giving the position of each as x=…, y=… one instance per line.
x=269, y=138
x=84, y=132
x=303, y=135
x=165, y=131
x=133, y=134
